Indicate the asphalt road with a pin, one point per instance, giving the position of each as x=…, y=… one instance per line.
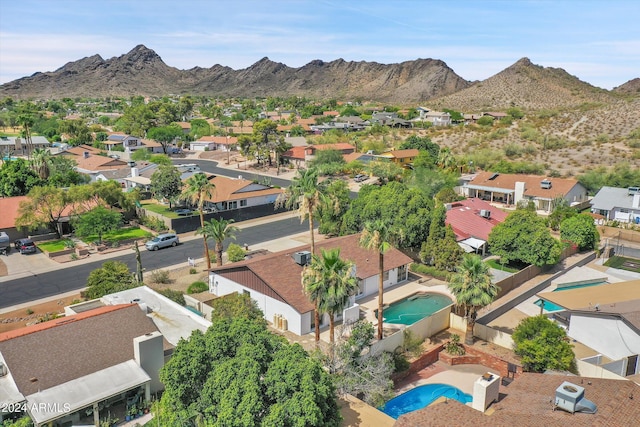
x=211, y=166
x=68, y=279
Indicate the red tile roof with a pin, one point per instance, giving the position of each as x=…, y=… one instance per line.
x=528, y=402
x=9, y=210
x=279, y=276
x=464, y=217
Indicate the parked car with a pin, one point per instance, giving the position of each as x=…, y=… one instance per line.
x=5, y=243
x=25, y=246
x=183, y=212
x=162, y=241
x=360, y=177
x=114, y=156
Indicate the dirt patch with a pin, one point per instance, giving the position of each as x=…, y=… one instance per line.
x=180, y=278
x=27, y=316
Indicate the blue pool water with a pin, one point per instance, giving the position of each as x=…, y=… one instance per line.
x=421, y=397
x=549, y=306
x=409, y=310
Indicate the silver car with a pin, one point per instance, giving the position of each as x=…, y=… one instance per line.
x=162, y=241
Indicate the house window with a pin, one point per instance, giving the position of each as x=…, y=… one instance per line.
x=360, y=291
x=232, y=205
x=385, y=276
x=243, y=203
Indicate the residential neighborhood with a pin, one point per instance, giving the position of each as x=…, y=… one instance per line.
x=412, y=270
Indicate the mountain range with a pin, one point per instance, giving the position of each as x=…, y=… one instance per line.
x=143, y=72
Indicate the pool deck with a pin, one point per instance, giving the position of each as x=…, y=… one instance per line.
x=460, y=376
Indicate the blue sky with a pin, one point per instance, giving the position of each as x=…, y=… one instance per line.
x=596, y=40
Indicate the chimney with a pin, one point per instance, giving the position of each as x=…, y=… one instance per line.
x=148, y=352
x=486, y=390
x=85, y=154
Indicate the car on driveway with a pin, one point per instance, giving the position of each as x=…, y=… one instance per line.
x=25, y=246
x=360, y=177
x=183, y=212
x=162, y=241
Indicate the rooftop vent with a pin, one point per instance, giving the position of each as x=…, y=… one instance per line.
x=302, y=257
x=3, y=369
x=86, y=154
x=485, y=213
x=570, y=397
x=546, y=184
x=632, y=191
x=494, y=176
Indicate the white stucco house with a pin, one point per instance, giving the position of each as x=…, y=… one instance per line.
x=513, y=188
x=210, y=143
x=274, y=281
x=618, y=204
x=239, y=193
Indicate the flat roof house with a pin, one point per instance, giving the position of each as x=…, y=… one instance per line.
x=274, y=280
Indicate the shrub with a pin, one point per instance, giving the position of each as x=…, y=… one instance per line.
x=411, y=343
x=193, y=270
x=173, y=295
x=29, y=311
x=400, y=363
x=197, y=287
x=430, y=271
x=485, y=121
x=453, y=346
x=235, y=252
x=160, y=276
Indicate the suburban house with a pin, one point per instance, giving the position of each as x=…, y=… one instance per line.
x=80, y=366
x=605, y=318
x=530, y=400
x=389, y=119
x=210, y=143
x=438, y=118
x=402, y=158
x=274, y=280
x=79, y=151
x=495, y=115
x=617, y=204
x=131, y=143
x=472, y=221
x=239, y=193
x=121, y=175
x=510, y=189
x=9, y=207
x=93, y=164
x=18, y=146
x=302, y=154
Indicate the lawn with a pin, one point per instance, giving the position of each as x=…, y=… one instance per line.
x=493, y=263
x=160, y=209
x=52, y=246
x=622, y=263
x=121, y=234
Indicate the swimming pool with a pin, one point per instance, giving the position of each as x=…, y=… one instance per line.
x=549, y=306
x=418, y=306
x=421, y=397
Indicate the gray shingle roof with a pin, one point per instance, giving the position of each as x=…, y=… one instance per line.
x=612, y=197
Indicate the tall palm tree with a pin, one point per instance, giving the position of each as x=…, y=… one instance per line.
x=220, y=230
x=40, y=162
x=304, y=195
x=199, y=188
x=377, y=235
x=329, y=282
x=473, y=289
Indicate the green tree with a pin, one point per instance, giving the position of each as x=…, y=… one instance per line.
x=197, y=189
x=239, y=374
x=43, y=209
x=97, y=221
x=17, y=178
x=219, y=230
x=333, y=206
x=449, y=253
x=421, y=143
x=524, y=237
x=166, y=183
x=437, y=231
x=62, y=172
x=329, y=282
x=581, y=230
x=377, y=236
x=264, y=132
x=235, y=252
x=473, y=289
x=560, y=210
x=41, y=162
x=323, y=157
x=165, y=135
x=160, y=159
x=542, y=345
x=485, y=121
x=113, y=276
x=431, y=181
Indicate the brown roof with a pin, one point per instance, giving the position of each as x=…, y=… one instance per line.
x=235, y=189
x=401, y=154
x=9, y=207
x=559, y=186
x=80, y=150
x=68, y=348
x=98, y=163
x=279, y=276
x=528, y=402
x=232, y=140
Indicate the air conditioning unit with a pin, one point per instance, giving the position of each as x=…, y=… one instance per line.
x=546, y=184
x=3, y=369
x=570, y=397
x=302, y=257
x=485, y=213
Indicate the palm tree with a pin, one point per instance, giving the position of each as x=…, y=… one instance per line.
x=377, y=235
x=197, y=189
x=473, y=289
x=329, y=282
x=304, y=195
x=40, y=162
x=220, y=230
